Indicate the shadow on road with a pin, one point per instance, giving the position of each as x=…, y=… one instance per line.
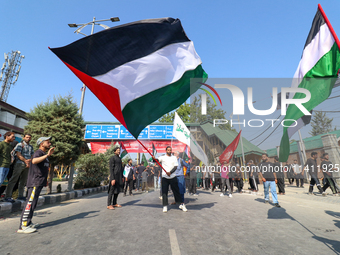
x=131, y=202
x=200, y=206
x=280, y=213
x=336, y=215
x=204, y=191
x=67, y=219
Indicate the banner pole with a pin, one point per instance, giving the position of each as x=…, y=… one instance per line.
x=151, y=155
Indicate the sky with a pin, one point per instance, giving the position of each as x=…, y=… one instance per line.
x=235, y=39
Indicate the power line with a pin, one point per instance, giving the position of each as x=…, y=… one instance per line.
x=264, y=130
x=269, y=135
x=325, y=111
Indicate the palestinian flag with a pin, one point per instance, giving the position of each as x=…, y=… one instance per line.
x=317, y=72
x=154, y=152
x=185, y=153
x=139, y=71
x=123, y=151
x=144, y=161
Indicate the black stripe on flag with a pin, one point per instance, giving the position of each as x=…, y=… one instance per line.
x=318, y=21
x=104, y=51
x=307, y=118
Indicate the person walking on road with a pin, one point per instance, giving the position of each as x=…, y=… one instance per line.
x=225, y=179
x=145, y=175
x=116, y=179
x=36, y=180
x=327, y=169
x=180, y=174
x=268, y=176
x=279, y=175
x=129, y=177
x=312, y=169
x=298, y=174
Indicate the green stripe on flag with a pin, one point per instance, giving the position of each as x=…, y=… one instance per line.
x=161, y=101
x=319, y=81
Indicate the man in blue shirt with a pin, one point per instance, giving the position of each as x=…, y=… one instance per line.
x=180, y=174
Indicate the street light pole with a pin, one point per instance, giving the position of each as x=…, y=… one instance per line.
x=78, y=31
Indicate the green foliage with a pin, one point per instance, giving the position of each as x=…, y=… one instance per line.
x=320, y=123
x=58, y=118
x=92, y=170
x=57, y=180
x=183, y=112
x=192, y=113
x=212, y=113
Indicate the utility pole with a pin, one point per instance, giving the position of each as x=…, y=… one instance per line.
x=78, y=31
x=9, y=70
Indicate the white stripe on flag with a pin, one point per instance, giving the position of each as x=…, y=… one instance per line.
x=292, y=130
x=161, y=68
x=319, y=46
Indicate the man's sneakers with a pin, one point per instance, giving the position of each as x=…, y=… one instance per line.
x=222, y=195
x=230, y=195
x=195, y=195
x=277, y=205
x=27, y=230
x=165, y=208
x=183, y=208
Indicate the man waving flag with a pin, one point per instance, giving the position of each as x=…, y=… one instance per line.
x=317, y=72
x=134, y=67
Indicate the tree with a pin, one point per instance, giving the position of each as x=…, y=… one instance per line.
x=212, y=113
x=58, y=118
x=320, y=123
x=192, y=113
x=183, y=112
x=92, y=170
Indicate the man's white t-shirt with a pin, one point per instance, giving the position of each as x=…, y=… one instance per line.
x=168, y=163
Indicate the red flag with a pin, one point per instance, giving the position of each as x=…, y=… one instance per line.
x=229, y=151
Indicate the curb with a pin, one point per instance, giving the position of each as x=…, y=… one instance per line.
x=6, y=207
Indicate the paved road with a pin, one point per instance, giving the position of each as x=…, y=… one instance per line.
x=213, y=225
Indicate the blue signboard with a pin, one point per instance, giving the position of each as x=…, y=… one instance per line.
x=119, y=132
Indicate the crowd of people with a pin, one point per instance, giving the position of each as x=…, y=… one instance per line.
x=22, y=166
x=185, y=177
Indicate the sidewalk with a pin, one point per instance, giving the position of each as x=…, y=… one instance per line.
x=6, y=207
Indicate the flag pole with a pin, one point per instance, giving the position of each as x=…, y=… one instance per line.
x=244, y=163
x=329, y=26
x=151, y=154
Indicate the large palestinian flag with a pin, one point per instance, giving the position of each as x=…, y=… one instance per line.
x=317, y=72
x=139, y=71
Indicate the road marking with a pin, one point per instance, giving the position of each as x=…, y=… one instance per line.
x=174, y=243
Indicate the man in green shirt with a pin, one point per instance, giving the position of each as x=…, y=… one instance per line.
x=5, y=155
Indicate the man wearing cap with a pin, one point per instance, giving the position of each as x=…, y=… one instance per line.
x=37, y=179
